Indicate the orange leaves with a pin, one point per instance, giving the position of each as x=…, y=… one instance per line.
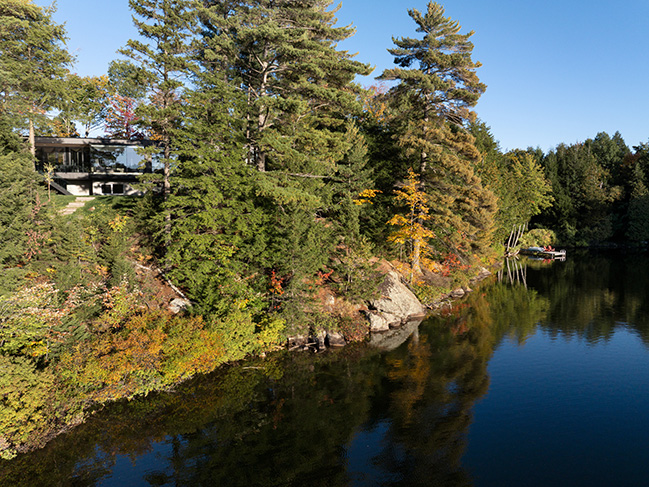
x=323, y=277
x=276, y=284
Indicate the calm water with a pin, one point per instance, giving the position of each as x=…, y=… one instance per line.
x=541, y=382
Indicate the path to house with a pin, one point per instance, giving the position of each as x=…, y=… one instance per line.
x=74, y=205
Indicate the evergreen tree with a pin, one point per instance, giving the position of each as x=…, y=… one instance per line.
x=163, y=58
x=23, y=223
x=216, y=230
x=638, y=215
x=33, y=63
x=584, y=195
x=516, y=178
x=435, y=98
x=298, y=95
x=294, y=78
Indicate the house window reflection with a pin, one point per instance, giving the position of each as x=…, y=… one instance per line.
x=114, y=158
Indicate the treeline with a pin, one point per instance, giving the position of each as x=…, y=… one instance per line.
x=280, y=172
x=600, y=191
x=593, y=192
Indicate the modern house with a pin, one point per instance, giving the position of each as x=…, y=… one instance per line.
x=97, y=166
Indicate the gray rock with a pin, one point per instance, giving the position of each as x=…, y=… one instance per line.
x=320, y=340
x=335, y=340
x=378, y=323
x=483, y=274
x=179, y=304
x=397, y=300
x=457, y=293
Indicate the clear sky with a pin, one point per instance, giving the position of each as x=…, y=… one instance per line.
x=556, y=71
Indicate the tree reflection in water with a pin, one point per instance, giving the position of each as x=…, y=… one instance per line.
x=298, y=419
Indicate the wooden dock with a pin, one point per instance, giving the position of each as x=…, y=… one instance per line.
x=544, y=254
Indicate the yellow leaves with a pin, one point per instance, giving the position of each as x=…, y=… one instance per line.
x=270, y=333
x=366, y=196
x=411, y=228
x=411, y=224
x=101, y=270
x=37, y=349
x=121, y=364
x=118, y=223
x=414, y=198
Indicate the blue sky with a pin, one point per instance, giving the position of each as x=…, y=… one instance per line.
x=556, y=71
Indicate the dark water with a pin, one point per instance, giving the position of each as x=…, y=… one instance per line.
x=541, y=382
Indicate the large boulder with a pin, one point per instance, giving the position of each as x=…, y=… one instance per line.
x=397, y=304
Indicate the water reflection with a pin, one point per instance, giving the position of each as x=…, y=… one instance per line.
x=592, y=294
x=361, y=416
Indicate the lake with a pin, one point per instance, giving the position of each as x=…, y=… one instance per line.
x=539, y=377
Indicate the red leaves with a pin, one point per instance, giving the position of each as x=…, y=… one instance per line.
x=121, y=120
x=452, y=262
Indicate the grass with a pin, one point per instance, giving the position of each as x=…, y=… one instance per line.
x=119, y=203
x=60, y=201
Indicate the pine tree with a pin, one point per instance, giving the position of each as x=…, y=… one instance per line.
x=299, y=93
x=292, y=74
x=163, y=58
x=435, y=98
x=216, y=229
x=638, y=213
x=583, y=195
x=23, y=223
x=33, y=63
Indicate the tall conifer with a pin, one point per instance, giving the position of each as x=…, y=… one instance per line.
x=437, y=88
x=638, y=213
x=33, y=63
x=163, y=56
x=299, y=93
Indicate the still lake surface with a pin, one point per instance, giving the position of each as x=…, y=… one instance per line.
x=540, y=381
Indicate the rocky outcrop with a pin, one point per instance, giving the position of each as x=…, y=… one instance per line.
x=396, y=306
x=392, y=317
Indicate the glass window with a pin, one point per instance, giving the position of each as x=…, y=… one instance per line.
x=64, y=159
x=116, y=158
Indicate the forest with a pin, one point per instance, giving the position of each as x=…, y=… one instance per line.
x=283, y=182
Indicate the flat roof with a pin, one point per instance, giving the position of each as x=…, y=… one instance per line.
x=83, y=141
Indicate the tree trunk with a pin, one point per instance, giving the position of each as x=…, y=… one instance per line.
x=32, y=138
x=416, y=259
x=166, y=189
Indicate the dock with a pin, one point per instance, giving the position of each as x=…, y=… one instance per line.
x=543, y=253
